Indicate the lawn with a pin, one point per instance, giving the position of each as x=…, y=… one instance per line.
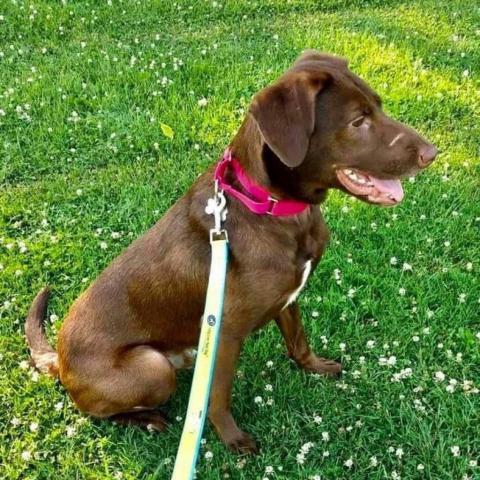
x=86, y=167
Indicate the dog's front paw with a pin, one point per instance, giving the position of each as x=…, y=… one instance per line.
x=323, y=366
x=242, y=443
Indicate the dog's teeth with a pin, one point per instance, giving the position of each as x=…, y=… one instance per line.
x=348, y=172
x=361, y=180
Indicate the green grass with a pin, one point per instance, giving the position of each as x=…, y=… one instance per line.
x=67, y=185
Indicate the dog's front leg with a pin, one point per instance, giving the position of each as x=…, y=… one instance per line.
x=220, y=403
x=290, y=324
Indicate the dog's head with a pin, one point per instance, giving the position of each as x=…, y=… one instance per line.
x=323, y=127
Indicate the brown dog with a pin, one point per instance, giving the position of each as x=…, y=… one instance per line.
x=318, y=127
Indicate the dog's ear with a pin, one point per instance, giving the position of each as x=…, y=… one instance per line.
x=285, y=114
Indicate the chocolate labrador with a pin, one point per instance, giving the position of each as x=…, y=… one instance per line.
x=319, y=126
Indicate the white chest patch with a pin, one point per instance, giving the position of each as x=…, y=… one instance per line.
x=306, y=272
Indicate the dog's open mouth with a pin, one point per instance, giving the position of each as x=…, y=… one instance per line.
x=370, y=188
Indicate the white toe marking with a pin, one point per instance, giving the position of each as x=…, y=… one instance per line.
x=306, y=272
x=182, y=359
x=397, y=137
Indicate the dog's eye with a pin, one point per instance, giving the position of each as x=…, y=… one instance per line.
x=358, y=121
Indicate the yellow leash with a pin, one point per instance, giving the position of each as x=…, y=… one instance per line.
x=207, y=348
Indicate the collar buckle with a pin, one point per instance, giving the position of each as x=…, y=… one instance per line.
x=271, y=203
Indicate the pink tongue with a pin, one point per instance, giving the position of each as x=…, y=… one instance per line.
x=393, y=187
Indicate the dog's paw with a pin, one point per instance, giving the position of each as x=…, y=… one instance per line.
x=242, y=443
x=324, y=366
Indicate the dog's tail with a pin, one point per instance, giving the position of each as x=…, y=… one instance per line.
x=44, y=357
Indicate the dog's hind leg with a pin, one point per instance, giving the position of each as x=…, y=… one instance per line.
x=126, y=392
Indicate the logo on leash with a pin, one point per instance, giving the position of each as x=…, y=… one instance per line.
x=211, y=320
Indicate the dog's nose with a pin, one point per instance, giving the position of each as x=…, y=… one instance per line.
x=426, y=154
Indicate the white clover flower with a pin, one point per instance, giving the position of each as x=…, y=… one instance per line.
x=406, y=267
x=24, y=365
x=268, y=469
x=348, y=463
x=103, y=245
x=405, y=373
x=390, y=361
x=325, y=436
x=202, y=102
x=208, y=455
x=455, y=450
x=393, y=261
x=402, y=291
x=399, y=452
x=439, y=376
x=315, y=314
x=268, y=387
x=342, y=346
x=306, y=447
x=317, y=419
x=33, y=427
x=26, y=455
x=373, y=461
x=258, y=400
x=416, y=338
x=450, y=388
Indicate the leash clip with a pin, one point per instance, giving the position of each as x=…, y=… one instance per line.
x=217, y=206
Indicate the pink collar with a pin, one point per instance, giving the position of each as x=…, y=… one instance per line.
x=261, y=202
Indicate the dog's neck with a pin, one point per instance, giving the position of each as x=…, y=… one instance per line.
x=248, y=148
